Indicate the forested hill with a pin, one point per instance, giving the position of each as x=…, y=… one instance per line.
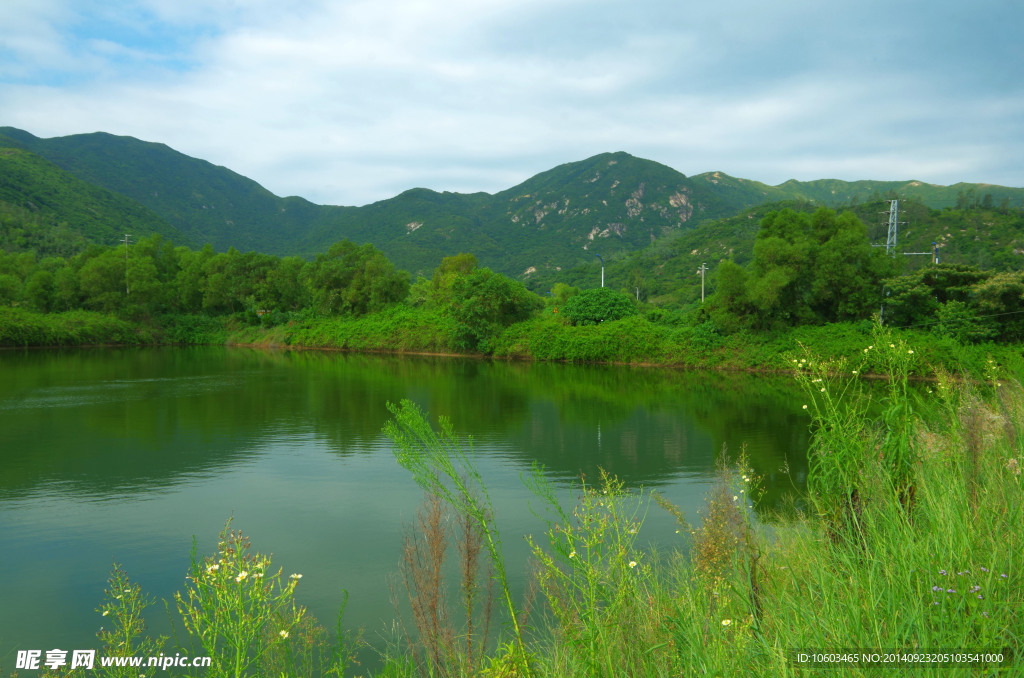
x=610, y=204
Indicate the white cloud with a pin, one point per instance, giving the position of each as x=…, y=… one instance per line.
x=352, y=102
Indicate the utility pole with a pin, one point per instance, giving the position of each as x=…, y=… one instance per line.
x=602, y=267
x=127, y=289
x=700, y=272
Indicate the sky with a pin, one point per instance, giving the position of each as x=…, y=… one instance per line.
x=350, y=102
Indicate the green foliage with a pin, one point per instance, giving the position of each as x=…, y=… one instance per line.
x=20, y=327
x=443, y=466
x=237, y=607
x=123, y=610
x=592, y=575
x=483, y=302
x=594, y=306
x=561, y=293
x=807, y=269
x=354, y=279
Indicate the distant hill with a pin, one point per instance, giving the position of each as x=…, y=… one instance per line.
x=35, y=193
x=610, y=204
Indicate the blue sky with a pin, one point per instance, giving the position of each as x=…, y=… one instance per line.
x=349, y=102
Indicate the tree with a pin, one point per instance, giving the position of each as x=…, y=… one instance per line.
x=806, y=269
x=482, y=302
x=602, y=304
x=354, y=279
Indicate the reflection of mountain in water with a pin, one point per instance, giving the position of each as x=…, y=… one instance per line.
x=126, y=420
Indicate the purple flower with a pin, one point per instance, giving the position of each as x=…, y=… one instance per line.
x=950, y=590
x=975, y=589
x=943, y=573
x=984, y=569
x=1003, y=576
x=936, y=588
x=981, y=597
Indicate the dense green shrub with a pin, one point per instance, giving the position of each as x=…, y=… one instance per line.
x=603, y=304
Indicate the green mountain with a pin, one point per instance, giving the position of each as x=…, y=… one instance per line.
x=43, y=207
x=611, y=204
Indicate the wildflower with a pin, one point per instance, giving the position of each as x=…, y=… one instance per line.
x=943, y=573
x=212, y=568
x=892, y=345
x=805, y=407
x=865, y=350
x=1003, y=576
x=794, y=359
x=936, y=588
x=984, y=569
x=726, y=622
x=735, y=498
x=296, y=576
x=910, y=352
x=632, y=564
x=106, y=612
x=870, y=346
x=283, y=633
x=981, y=597
x=573, y=554
x=822, y=390
x=241, y=575
x=950, y=590
x=855, y=372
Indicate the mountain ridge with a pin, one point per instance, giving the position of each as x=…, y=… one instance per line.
x=610, y=203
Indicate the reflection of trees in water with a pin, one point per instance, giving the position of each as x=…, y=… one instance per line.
x=137, y=418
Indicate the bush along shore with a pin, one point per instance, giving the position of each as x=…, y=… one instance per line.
x=906, y=555
x=634, y=340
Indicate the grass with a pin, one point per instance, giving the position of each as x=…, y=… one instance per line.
x=909, y=539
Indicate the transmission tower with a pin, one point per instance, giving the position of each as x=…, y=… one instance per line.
x=894, y=223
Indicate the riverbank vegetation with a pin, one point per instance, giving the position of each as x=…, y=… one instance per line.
x=907, y=540
x=809, y=277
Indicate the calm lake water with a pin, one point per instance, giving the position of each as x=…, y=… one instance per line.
x=122, y=455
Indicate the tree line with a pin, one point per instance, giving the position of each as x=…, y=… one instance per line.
x=806, y=269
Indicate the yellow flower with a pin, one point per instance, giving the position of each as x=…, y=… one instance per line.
x=726, y=622
x=241, y=575
x=632, y=564
x=573, y=554
x=283, y=633
x=805, y=407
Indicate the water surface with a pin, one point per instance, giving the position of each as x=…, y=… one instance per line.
x=122, y=455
